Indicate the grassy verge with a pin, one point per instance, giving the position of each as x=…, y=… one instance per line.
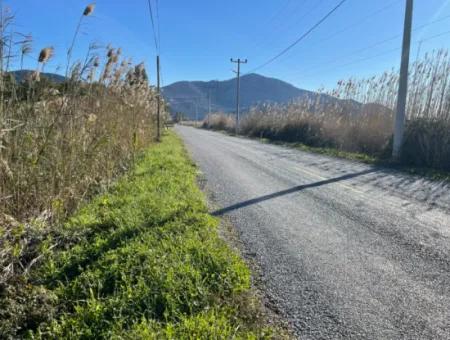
x=142, y=261
x=354, y=156
x=367, y=159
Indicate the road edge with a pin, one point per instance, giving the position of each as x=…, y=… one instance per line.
x=229, y=233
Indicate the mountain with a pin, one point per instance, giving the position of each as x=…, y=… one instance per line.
x=187, y=96
x=21, y=75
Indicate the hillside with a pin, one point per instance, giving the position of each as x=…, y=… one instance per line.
x=21, y=75
x=184, y=96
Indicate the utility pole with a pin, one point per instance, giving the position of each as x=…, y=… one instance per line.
x=158, y=101
x=238, y=62
x=196, y=111
x=399, y=127
x=209, y=105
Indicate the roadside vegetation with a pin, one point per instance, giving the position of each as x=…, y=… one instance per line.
x=104, y=233
x=62, y=142
x=142, y=261
x=357, y=117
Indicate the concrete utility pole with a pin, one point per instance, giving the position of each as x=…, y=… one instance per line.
x=399, y=127
x=158, y=101
x=238, y=62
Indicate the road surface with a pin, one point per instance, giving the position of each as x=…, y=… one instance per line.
x=346, y=250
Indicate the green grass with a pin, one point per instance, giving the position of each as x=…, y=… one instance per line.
x=432, y=174
x=354, y=156
x=428, y=173
x=145, y=261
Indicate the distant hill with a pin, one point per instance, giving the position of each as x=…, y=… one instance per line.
x=184, y=96
x=24, y=74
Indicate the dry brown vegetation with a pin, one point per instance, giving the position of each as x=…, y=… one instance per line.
x=361, y=120
x=60, y=143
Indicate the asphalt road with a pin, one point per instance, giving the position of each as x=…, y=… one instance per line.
x=346, y=250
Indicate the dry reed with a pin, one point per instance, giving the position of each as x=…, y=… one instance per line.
x=59, y=145
x=89, y=10
x=46, y=54
x=357, y=116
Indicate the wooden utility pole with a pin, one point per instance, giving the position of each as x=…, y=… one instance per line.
x=399, y=127
x=209, y=105
x=196, y=111
x=158, y=101
x=238, y=73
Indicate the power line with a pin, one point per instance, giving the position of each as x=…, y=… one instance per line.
x=279, y=12
x=392, y=38
x=359, y=51
x=153, y=25
x=381, y=42
x=301, y=37
x=434, y=36
x=255, y=44
x=361, y=21
x=158, y=21
x=379, y=54
x=286, y=26
x=363, y=59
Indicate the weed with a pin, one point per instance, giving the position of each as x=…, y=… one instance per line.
x=143, y=260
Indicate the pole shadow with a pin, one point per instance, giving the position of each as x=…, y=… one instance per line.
x=298, y=188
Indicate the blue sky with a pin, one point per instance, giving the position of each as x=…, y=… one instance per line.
x=198, y=37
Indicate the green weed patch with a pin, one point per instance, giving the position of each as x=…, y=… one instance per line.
x=144, y=261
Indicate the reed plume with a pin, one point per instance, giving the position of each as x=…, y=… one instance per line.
x=46, y=54
x=25, y=48
x=110, y=52
x=89, y=10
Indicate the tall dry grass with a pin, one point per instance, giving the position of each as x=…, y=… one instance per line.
x=357, y=116
x=220, y=121
x=60, y=144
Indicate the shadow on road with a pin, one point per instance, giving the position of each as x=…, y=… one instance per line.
x=290, y=191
